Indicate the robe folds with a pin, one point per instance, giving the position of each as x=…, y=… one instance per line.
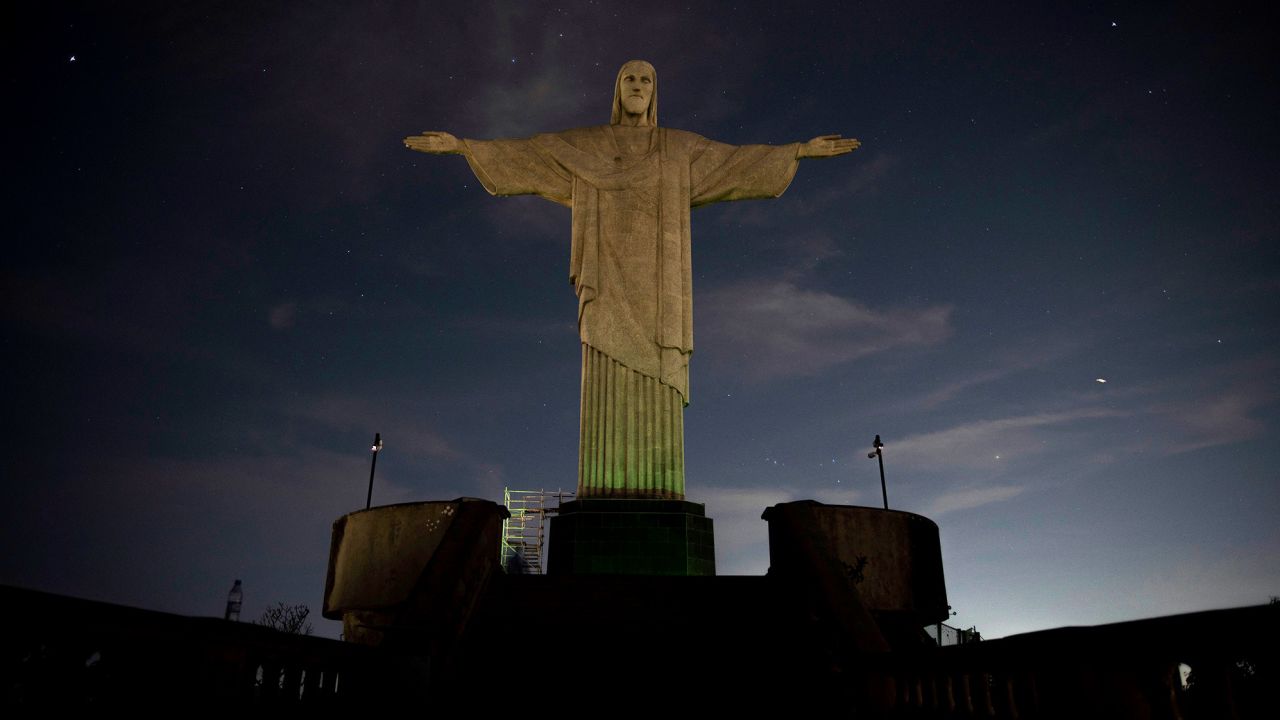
x=630, y=267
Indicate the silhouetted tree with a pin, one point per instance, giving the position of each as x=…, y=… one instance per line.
x=287, y=618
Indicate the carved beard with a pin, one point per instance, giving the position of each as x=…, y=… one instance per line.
x=635, y=105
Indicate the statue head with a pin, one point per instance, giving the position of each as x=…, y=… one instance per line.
x=635, y=95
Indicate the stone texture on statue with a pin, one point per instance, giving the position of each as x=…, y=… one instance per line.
x=630, y=253
x=631, y=189
x=631, y=185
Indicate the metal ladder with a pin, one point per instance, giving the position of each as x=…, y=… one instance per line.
x=524, y=532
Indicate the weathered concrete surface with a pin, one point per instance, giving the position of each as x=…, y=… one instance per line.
x=411, y=574
x=378, y=554
x=894, y=558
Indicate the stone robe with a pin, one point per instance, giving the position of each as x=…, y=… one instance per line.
x=630, y=267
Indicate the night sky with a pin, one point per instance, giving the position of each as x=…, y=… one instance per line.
x=225, y=273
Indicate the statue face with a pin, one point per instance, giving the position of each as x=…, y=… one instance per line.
x=636, y=88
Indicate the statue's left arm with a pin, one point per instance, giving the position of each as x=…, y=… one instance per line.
x=720, y=172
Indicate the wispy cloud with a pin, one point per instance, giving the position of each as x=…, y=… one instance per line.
x=537, y=102
x=950, y=390
x=977, y=443
x=518, y=220
x=774, y=329
x=864, y=178
x=1219, y=419
x=1003, y=363
x=805, y=251
x=968, y=498
x=1209, y=407
x=350, y=412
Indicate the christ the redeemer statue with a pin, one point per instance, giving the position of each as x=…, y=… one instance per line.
x=631, y=185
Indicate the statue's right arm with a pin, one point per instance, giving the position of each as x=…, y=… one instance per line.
x=435, y=143
x=504, y=167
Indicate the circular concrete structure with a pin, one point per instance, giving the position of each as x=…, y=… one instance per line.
x=894, y=558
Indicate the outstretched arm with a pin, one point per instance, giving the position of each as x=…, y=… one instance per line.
x=825, y=146
x=435, y=143
x=503, y=167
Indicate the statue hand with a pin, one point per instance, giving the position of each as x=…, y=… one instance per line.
x=828, y=146
x=435, y=143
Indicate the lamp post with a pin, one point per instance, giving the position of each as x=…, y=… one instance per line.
x=879, y=456
x=377, y=445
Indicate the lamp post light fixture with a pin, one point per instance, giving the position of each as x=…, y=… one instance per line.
x=377, y=445
x=875, y=453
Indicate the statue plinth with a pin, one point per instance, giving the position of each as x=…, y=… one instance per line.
x=631, y=536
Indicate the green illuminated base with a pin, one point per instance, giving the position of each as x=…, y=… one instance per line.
x=608, y=536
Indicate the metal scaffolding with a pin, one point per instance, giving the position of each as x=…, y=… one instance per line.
x=524, y=532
